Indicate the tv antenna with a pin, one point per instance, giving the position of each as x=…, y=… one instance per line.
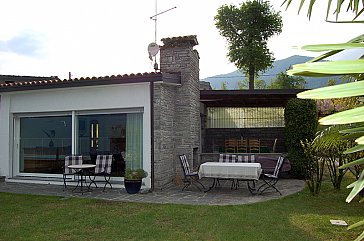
x=153, y=48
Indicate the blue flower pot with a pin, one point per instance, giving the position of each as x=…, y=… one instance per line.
x=132, y=186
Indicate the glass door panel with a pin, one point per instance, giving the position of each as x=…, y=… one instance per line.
x=103, y=134
x=44, y=142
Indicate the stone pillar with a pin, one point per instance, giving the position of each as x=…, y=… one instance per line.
x=176, y=110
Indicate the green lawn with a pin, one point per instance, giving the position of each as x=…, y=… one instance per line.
x=297, y=217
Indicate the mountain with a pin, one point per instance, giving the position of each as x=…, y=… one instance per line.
x=278, y=66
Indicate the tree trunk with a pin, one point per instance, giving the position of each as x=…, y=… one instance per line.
x=251, y=76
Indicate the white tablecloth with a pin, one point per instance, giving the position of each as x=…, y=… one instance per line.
x=82, y=166
x=248, y=171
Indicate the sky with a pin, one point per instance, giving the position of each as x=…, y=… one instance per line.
x=102, y=38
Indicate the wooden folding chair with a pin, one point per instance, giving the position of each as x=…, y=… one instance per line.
x=230, y=145
x=242, y=146
x=254, y=145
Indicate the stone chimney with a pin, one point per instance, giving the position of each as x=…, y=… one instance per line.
x=176, y=111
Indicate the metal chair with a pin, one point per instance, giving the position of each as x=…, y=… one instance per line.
x=190, y=177
x=274, y=146
x=270, y=180
x=70, y=160
x=103, y=168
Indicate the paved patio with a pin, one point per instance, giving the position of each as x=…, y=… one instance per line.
x=218, y=196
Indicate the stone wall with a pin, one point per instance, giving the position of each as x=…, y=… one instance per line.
x=176, y=110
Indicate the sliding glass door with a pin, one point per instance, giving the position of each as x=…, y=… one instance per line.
x=120, y=135
x=44, y=142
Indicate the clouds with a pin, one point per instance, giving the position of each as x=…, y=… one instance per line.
x=96, y=38
x=29, y=44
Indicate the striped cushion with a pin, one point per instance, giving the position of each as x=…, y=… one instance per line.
x=278, y=166
x=185, y=164
x=227, y=158
x=103, y=164
x=71, y=160
x=246, y=158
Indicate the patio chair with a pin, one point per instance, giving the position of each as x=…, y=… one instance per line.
x=274, y=146
x=246, y=158
x=190, y=177
x=103, y=168
x=270, y=180
x=254, y=145
x=242, y=146
x=70, y=160
x=227, y=158
x=230, y=145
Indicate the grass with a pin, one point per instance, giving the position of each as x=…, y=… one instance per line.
x=296, y=217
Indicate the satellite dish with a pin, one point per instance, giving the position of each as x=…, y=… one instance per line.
x=153, y=50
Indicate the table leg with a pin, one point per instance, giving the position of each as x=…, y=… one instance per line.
x=214, y=184
x=81, y=179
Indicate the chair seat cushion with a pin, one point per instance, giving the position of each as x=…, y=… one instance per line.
x=268, y=163
x=269, y=175
x=192, y=174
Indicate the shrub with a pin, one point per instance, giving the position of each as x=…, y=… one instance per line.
x=300, y=124
x=314, y=167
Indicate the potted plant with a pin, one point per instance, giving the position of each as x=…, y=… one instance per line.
x=133, y=180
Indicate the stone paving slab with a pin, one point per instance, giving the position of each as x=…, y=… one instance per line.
x=219, y=196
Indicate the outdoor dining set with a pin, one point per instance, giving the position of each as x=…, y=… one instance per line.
x=236, y=168
x=233, y=167
x=75, y=167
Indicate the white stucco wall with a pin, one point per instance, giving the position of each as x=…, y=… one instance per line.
x=72, y=99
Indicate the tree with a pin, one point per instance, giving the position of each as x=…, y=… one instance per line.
x=354, y=69
x=247, y=29
x=223, y=86
x=284, y=81
x=258, y=84
x=331, y=82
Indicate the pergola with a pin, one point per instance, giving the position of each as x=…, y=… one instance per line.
x=213, y=138
x=248, y=98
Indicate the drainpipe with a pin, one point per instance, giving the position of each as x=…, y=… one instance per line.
x=151, y=90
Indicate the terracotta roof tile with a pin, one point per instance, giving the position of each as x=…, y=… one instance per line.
x=84, y=81
x=180, y=41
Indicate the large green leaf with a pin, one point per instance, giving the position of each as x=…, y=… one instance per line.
x=353, y=130
x=354, y=149
x=360, y=140
x=353, y=163
x=330, y=47
x=357, y=187
x=345, y=117
x=353, y=5
x=336, y=91
x=357, y=39
x=340, y=67
x=355, y=225
x=360, y=237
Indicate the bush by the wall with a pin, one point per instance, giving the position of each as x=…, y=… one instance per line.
x=300, y=118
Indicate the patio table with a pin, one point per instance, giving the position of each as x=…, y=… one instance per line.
x=81, y=169
x=235, y=171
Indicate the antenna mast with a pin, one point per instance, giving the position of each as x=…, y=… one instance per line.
x=154, y=18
